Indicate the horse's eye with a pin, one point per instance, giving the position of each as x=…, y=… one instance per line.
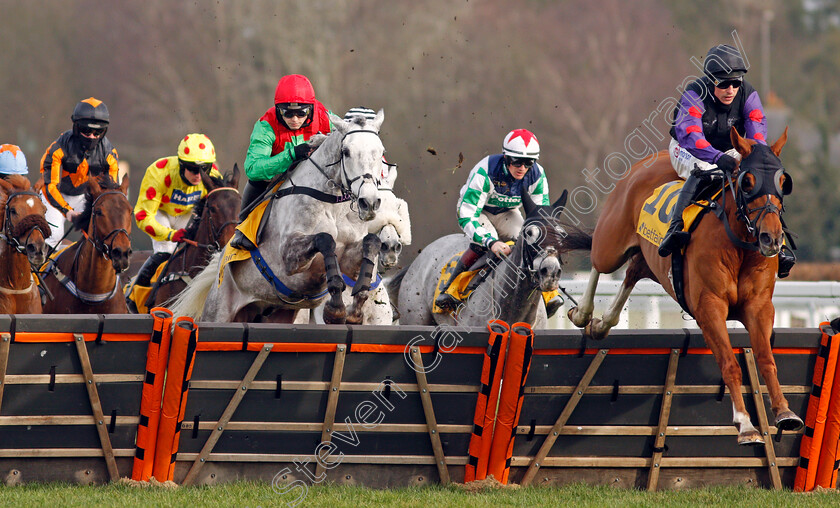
x=98, y=213
x=345, y=152
x=13, y=212
x=532, y=234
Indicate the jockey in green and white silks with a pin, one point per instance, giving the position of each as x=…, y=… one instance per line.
x=488, y=209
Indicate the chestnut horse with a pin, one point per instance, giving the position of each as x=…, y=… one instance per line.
x=24, y=232
x=730, y=265
x=215, y=220
x=83, y=278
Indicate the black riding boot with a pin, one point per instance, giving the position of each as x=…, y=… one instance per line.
x=144, y=276
x=253, y=190
x=786, y=261
x=468, y=258
x=676, y=238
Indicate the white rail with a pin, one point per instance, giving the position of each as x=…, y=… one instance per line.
x=798, y=304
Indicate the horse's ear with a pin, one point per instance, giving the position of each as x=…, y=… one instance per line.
x=124, y=184
x=529, y=205
x=561, y=201
x=777, y=146
x=208, y=182
x=339, y=124
x=7, y=187
x=233, y=181
x=93, y=185
x=742, y=145
x=376, y=123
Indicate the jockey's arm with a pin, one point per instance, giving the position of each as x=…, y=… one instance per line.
x=113, y=164
x=539, y=189
x=473, y=198
x=688, y=126
x=51, y=169
x=260, y=165
x=755, y=123
x=152, y=189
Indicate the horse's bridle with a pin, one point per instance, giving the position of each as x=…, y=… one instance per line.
x=345, y=184
x=215, y=232
x=531, y=250
x=100, y=243
x=7, y=224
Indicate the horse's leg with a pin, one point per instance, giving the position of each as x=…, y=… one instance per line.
x=582, y=314
x=758, y=320
x=370, y=249
x=638, y=269
x=711, y=313
x=299, y=251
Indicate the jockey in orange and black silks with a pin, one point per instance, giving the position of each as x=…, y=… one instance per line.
x=78, y=153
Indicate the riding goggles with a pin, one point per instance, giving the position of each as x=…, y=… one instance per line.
x=520, y=162
x=735, y=83
x=300, y=113
x=90, y=131
x=195, y=167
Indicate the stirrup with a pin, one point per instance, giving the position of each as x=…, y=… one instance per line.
x=786, y=262
x=674, y=240
x=240, y=241
x=447, y=302
x=553, y=305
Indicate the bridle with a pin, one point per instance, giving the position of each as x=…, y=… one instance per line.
x=103, y=245
x=7, y=224
x=215, y=232
x=345, y=183
x=532, y=249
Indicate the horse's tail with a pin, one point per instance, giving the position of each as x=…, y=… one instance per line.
x=190, y=301
x=393, y=287
x=575, y=239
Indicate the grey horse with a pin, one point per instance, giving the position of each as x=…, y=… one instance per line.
x=511, y=292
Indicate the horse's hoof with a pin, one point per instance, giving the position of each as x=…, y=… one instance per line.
x=576, y=319
x=750, y=438
x=787, y=420
x=334, y=315
x=592, y=331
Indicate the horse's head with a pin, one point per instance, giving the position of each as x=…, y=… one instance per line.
x=541, y=239
x=219, y=210
x=762, y=183
x=24, y=225
x=389, y=253
x=360, y=155
x=107, y=219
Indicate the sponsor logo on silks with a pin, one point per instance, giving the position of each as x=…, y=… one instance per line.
x=499, y=183
x=505, y=201
x=180, y=198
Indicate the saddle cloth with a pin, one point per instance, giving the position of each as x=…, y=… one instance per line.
x=249, y=228
x=139, y=294
x=655, y=215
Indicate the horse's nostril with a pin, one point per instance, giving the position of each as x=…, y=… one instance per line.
x=765, y=239
x=376, y=204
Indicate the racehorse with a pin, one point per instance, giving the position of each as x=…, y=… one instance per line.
x=306, y=217
x=83, y=278
x=23, y=245
x=512, y=291
x=730, y=265
x=214, y=221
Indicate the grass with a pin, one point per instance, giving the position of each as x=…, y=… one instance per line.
x=253, y=494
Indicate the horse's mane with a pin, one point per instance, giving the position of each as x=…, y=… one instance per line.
x=19, y=183
x=106, y=183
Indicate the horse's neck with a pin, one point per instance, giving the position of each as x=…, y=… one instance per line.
x=16, y=270
x=307, y=174
x=511, y=292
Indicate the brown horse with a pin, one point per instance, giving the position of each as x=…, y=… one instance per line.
x=83, y=278
x=218, y=216
x=730, y=265
x=24, y=232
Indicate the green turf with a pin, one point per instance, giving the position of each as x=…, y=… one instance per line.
x=255, y=494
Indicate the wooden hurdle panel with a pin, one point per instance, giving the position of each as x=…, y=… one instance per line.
x=70, y=396
x=265, y=399
x=643, y=410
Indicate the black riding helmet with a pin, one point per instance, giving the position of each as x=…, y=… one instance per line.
x=90, y=113
x=723, y=62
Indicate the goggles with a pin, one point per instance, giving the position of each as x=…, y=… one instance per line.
x=520, y=162
x=300, y=113
x=735, y=83
x=196, y=167
x=91, y=131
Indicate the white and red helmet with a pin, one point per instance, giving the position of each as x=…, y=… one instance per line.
x=521, y=143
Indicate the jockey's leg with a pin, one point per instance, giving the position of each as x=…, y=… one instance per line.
x=56, y=219
x=468, y=258
x=253, y=190
x=786, y=261
x=676, y=238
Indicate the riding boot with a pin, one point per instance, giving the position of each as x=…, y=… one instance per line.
x=252, y=191
x=144, y=277
x=676, y=238
x=468, y=258
x=786, y=261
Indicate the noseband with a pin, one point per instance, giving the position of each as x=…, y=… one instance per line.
x=215, y=233
x=100, y=243
x=7, y=224
x=345, y=183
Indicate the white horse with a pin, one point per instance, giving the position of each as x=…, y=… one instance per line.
x=512, y=291
x=392, y=225
x=309, y=215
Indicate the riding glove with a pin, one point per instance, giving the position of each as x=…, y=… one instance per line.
x=178, y=236
x=727, y=163
x=302, y=151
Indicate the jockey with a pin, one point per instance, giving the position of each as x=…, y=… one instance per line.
x=78, y=153
x=488, y=209
x=169, y=191
x=280, y=136
x=12, y=161
x=708, y=108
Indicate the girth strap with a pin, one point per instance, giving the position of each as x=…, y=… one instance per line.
x=281, y=289
x=86, y=298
